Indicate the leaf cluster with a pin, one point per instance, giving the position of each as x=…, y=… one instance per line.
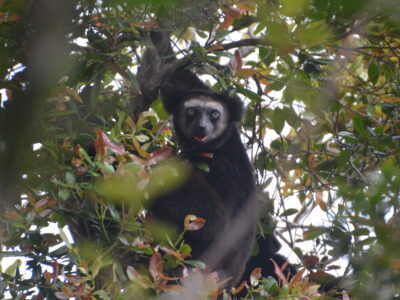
x=82, y=149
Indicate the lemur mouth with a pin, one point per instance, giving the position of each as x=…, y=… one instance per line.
x=200, y=138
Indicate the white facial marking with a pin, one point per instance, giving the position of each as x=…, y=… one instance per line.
x=204, y=103
x=207, y=103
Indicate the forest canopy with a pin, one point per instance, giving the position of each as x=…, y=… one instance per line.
x=84, y=142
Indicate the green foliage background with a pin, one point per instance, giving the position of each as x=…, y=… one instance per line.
x=320, y=78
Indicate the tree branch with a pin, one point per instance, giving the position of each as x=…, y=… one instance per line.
x=243, y=43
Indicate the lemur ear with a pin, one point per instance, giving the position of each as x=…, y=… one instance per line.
x=178, y=84
x=234, y=104
x=172, y=97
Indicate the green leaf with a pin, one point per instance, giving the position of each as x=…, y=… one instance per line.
x=277, y=85
x=185, y=249
x=145, y=250
x=102, y=294
x=12, y=269
x=109, y=169
x=361, y=231
x=367, y=241
x=202, y=166
x=276, y=145
x=343, y=158
x=70, y=178
x=271, y=286
x=96, y=266
x=289, y=212
x=373, y=72
x=298, y=252
x=3, y=286
x=371, y=110
x=172, y=261
x=278, y=120
x=196, y=263
x=359, y=125
x=202, y=34
x=260, y=27
x=293, y=8
x=313, y=233
x=86, y=156
x=247, y=93
x=114, y=212
x=142, y=138
x=133, y=167
x=222, y=82
x=256, y=250
x=158, y=107
x=64, y=194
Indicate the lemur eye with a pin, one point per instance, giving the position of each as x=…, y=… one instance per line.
x=215, y=114
x=190, y=111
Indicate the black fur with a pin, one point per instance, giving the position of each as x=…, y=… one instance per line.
x=224, y=195
x=268, y=247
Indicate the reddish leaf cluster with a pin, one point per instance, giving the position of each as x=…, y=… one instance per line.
x=103, y=142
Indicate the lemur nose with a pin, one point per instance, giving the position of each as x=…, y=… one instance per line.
x=202, y=125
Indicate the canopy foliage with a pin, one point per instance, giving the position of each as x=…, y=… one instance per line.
x=320, y=79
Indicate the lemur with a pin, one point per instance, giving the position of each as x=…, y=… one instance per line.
x=205, y=125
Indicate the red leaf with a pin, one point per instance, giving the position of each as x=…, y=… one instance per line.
x=321, y=277
x=11, y=216
x=47, y=276
x=80, y=289
x=255, y=276
x=236, y=62
x=172, y=288
x=345, y=296
x=193, y=223
x=61, y=295
x=103, y=142
x=75, y=280
x=278, y=272
x=216, y=47
x=61, y=106
x=165, y=277
x=13, y=17
x=160, y=283
x=56, y=270
x=155, y=266
x=296, y=278
x=76, y=162
x=41, y=202
x=80, y=171
x=100, y=144
x=206, y=154
x=174, y=253
x=222, y=283
x=137, y=159
x=159, y=155
x=239, y=288
x=228, y=21
x=234, y=12
x=310, y=261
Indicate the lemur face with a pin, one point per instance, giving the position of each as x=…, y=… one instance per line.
x=202, y=119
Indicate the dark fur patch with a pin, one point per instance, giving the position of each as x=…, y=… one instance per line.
x=224, y=195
